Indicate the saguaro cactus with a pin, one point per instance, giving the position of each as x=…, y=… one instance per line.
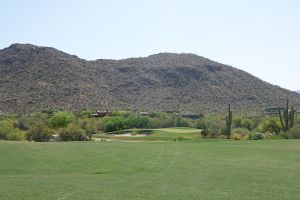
x=228, y=122
x=287, y=117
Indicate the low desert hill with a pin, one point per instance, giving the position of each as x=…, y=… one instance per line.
x=34, y=78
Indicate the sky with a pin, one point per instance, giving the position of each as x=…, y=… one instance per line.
x=261, y=37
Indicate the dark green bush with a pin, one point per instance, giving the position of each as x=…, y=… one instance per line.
x=256, y=136
x=39, y=132
x=114, y=124
x=284, y=135
x=137, y=121
x=72, y=133
x=294, y=133
x=204, y=133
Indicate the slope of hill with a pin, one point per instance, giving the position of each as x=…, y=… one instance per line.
x=34, y=78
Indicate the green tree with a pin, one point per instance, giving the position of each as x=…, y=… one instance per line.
x=61, y=119
x=114, y=123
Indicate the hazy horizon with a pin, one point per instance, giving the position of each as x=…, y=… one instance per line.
x=260, y=37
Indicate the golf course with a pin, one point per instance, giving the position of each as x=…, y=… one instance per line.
x=153, y=168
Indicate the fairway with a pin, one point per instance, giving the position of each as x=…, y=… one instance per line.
x=207, y=169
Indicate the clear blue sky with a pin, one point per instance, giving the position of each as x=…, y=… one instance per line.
x=258, y=36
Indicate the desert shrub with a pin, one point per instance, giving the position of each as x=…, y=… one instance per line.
x=294, y=133
x=6, y=128
x=17, y=135
x=39, y=132
x=84, y=114
x=72, y=132
x=8, y=132
x=237, y=122
x=240, y=131
x=236, y=136
x=215, y=128
x=41, y=117
x=61, y=119
x=201, y=123
x=181, y=122
x=269, y=124
x=23, y=124
x=89, y=125
x=283, y=135
x=268, y=135
x=204, y=133
x=245, y=137
x=248, y=124
x=222, y=136
x=256, y=136
x=205, y=121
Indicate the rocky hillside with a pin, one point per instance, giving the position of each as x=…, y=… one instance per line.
x=34, y=78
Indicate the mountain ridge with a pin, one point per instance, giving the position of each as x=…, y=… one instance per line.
x=34, y=78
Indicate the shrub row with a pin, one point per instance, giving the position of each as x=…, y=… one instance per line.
x=66, y=126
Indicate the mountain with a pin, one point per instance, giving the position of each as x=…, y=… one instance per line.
x=34, y=78
x=298, y=91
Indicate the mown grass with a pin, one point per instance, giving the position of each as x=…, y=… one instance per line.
x=207, y=169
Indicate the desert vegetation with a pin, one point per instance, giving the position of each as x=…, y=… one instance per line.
x=51, y=125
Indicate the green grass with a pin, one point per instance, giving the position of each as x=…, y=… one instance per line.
x=208, y=169
x=162, y=134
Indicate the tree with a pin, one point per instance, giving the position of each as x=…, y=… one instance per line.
x=61, y=119
x=114, y=123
